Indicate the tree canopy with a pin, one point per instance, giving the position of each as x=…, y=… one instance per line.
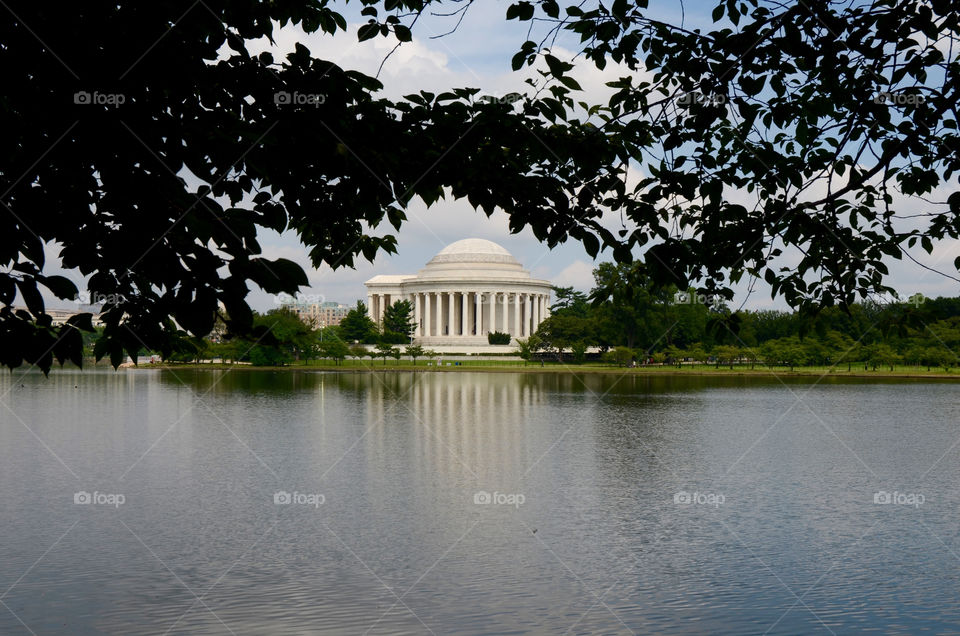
x=148, y=144
x=398, y=322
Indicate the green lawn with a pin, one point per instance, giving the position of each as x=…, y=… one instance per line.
x=463, y=363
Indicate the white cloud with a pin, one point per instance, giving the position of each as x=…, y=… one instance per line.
x=578, y=274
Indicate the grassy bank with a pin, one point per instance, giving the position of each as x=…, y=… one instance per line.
x=518, y=366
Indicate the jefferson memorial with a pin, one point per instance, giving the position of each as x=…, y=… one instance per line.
x=469, y=289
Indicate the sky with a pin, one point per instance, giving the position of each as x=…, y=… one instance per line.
x=478, y=55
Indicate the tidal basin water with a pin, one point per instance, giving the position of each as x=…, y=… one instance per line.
x=209, y=502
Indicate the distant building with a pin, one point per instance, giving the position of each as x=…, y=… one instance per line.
x=59, y=317
x=469, y=289
x=327, y=314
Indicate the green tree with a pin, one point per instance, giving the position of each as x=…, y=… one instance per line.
x=385, y=349
x=560, y=331
x=228, y=351
x=268, y=356
x=697, y=352
x=726, y=354
x=357, y=326
x=357, y=352
x=881, y=354
x=570, y=302
x=398, y=323
x=626, y=298
x=527, y=348
x=674, y=355
x=936, y=357
x=579, y=351
x=620, y=356
x=415, y=351
x=335, y=349
x=282, y=338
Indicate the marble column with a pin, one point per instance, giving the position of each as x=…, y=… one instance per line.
x=477, y=329
x=483, y=315
x=493, y=312
x=370, y=306
x=464, y=310
x=528, y=314
x=426, y=314
x=445, y=314
x=439, y=299
x=516, y=315
x=451, y=314
x=506, y=312
x=417, y=316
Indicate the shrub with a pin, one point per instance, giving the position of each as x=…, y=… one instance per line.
x=621, y=356
x=579, y=351
x=498, y=338
x=394, y=337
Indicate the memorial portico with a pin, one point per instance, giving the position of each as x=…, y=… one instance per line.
x=469, y=289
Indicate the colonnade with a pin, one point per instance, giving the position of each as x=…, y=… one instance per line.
x=469, y=313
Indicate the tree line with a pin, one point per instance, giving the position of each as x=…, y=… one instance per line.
x=631, y=320
x=627, y=319
x=281, y=337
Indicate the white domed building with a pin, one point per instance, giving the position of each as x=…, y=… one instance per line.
x=469, y=289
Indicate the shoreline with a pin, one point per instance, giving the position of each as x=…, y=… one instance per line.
x=568, y=370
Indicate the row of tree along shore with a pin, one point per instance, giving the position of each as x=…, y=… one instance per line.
x=624, y=321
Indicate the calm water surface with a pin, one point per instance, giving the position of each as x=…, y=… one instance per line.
x=617, y=505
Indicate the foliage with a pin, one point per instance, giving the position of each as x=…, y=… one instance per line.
x=498, y=338
x=282, y=338
x=335, y=349
x=357, y=326
x=191, y=350
x=853, y=101
x=383, y=350
x=153, y=155
x=726, y=354
x=415, y=351
x=357, y=352
x=155, y=175
x=398, y=321
x=393, y=337
x=620, y=356
x=527, y=348
x=579, y=351
x=268, y=356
